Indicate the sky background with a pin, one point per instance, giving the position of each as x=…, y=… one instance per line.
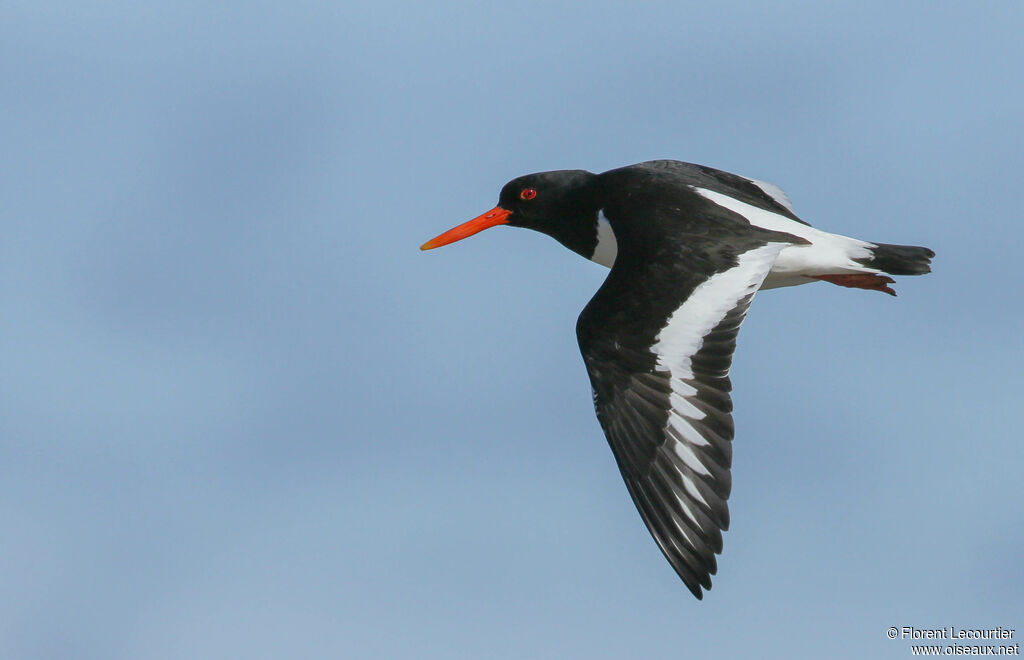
x=243, y=416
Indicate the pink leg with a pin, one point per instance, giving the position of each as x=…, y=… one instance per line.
x=868, y=281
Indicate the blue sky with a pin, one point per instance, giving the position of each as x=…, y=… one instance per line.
x=243, y=416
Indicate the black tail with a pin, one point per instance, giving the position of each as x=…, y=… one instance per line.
x=899, y=259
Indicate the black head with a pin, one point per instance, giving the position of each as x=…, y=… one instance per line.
x=562, y=204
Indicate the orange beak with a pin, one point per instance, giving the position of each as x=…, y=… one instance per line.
x=494, y=217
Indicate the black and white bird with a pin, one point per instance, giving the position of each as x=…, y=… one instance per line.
x=688, y=247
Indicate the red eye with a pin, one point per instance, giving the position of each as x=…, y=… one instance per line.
x=528, y=193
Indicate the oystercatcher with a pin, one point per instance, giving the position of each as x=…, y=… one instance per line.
x=688, y=247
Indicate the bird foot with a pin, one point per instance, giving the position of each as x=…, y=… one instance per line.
x=868, y=281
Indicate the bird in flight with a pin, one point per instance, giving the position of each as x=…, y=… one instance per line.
x=688, y=247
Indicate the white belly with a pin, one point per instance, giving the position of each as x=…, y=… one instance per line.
x=829, y=254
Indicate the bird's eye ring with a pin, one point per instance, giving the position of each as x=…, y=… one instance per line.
x=528, y=193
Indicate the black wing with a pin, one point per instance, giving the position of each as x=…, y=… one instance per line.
x=761, y=194
x=659, y=369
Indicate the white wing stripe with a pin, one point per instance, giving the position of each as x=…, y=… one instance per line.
x=685, y=452
x=607, y=247
x=682, y=388
x=776, y=193
x=684, y=407
x=687, y=534
x=691, y=488
x=688, y=511
x=685, y=432
x=682, y=337
x=760, y=217
x=824, y=253
x=684, y=333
